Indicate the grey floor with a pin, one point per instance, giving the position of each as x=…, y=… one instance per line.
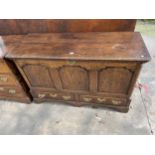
x=56, y=118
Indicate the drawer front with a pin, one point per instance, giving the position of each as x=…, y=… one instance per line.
x=103, y=100
x=11, y=91
x=7, y=79
x=4, y=68
x=53, y=95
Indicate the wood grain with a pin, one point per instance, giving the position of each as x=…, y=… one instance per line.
x=98, y=69
x=25, y=26
x=114, y=46
x=12, y=87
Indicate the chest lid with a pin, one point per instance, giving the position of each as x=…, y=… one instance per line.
x=8, y=43
x=115, y=46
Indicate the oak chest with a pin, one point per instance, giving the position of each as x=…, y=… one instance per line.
x=12, y=86
x=98, y=69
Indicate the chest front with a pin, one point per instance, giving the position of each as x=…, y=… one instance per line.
x=80, y=82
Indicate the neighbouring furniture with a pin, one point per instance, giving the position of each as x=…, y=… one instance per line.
x=25, y=26
x=12, y=86
x=99, y=69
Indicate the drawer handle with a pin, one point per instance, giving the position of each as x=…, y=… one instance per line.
x=116, y=102
x=53, y=95
x=1, y=89
x=87, y=99
x=12, y=91
x=101, y=99
x=66, y=97
x=41, y=95
x=3, y=79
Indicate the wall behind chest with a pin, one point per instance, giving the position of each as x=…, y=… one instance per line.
x=24, y=26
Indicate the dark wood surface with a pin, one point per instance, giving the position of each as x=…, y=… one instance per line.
x=80, y=82
x=24, y=26
x=114, y=46
x=8, y=43
x=101, y=70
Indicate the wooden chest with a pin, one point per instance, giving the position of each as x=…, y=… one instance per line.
x=12, y=86
x=99, y=69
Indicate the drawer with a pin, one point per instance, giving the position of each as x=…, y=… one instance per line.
x=103, y=100
x=7, y=79
x=11, y=91
x=53, y=95
x=4, y=68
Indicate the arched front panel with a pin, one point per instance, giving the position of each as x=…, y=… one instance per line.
x=74, y=78
x=114, y=80
x=38, y=76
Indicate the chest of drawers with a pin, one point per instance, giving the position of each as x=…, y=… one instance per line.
x=98, y=69
x=12, y=86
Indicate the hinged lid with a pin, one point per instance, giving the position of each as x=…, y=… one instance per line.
x=115, y=46
x=8, y=43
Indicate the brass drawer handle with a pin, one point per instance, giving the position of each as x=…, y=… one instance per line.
x=53, y=95
x=66, y=97
x=87, y=99
x=1, y=89
x=101, y=99
x=3, y=78
x=12, y=91
x=41, y=95
x=116, y=102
